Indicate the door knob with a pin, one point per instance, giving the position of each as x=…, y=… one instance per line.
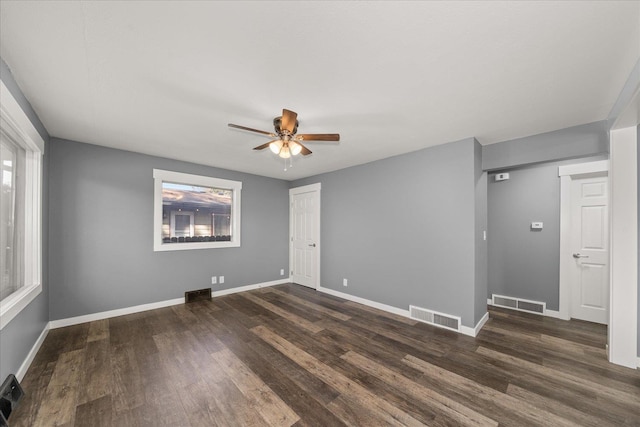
x=577, y=255
x=313, y=245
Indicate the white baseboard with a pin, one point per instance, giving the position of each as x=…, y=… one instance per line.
x=363, y=301
x=465, y=330
x=61, y=323
x=54, y=324
x=549, y=313
x=22, y=371
x=249, y=287
x=553, y=313
x=473, y=332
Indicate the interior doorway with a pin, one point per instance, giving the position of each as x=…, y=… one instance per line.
x=584, y=241
x=304, y=235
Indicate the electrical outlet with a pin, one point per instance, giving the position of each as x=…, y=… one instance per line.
x=282, y=271
x=214, y=280
x=344, y=282
x=221, y=279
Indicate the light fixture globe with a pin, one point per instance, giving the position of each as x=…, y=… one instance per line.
x=295, y=148
x=275, y=147
x=285, y=153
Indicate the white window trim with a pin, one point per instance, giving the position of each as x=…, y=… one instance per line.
x=161, y=176
x=15, y=123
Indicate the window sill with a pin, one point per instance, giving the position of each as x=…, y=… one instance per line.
x=195, y=245
x=11, y=306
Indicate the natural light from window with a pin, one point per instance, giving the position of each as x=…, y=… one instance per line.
x=195, y=212
x=21, y=149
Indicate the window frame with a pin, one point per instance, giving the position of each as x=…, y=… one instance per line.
x=15, y=124
x=160, y=176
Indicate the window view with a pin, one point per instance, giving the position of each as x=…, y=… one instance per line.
x=195, y=211
x=195, y=214
x=12, y=161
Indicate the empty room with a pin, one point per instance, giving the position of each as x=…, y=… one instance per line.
x=319, y=213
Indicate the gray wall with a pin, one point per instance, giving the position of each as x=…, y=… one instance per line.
x=18, y=337
x=638, y=175
x=101, y=233
x=578, y=141
x=401, y=230
x=525, y=263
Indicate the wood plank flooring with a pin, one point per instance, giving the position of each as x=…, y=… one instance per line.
x=291, y=356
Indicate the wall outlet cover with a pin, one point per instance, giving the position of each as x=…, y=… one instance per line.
x=221, y=279
x=214, y=280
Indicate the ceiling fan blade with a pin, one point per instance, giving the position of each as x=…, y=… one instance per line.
x=305, y=151
x=263, y=146
x=231, y=125
x=288, y=120
x=319, y=137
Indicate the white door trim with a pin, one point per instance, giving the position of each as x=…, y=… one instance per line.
x=567, y=174
x=299, y=190
x=623, y=320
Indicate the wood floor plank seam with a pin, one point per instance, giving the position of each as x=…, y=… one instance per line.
x=288, y=355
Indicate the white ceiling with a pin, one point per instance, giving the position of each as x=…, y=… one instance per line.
x=165, y=77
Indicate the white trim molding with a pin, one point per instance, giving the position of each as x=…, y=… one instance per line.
x=567, y=173
x=549, y=313
x=623, y=307
x=54, y=324
x=160, y=176
x=465, y=330
x=16, y=126
x=22, y=371
x=249, y=287
x=316, y=187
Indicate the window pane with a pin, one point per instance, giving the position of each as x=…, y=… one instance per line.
x=12, y=197
x=195, y=214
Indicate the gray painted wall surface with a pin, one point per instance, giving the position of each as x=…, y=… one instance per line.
x=18, y=337
x=525, y=263
x=638, y=176
x=625, y=96
x=578, y=141
x=401, y=230
x=101, y=233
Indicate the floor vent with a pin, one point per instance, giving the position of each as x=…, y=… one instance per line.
x=434, y=318
x=199, y=295
x=519, y=304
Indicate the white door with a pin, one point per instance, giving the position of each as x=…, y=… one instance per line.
x=305, y=235
x=590, y=249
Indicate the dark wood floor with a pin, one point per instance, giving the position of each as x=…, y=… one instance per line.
x=288, y=355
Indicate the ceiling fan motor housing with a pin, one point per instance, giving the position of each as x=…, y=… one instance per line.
x=277, y=123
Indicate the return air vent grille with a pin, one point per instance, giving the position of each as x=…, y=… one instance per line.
x=198, y=295
x=536, y=307
x=434, y=318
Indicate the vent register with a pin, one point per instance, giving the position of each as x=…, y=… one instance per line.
x=519, y=304
x=434, y=318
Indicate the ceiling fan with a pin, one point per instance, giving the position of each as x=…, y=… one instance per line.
x=288, y=142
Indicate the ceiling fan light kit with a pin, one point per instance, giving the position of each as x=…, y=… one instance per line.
x=288, y=143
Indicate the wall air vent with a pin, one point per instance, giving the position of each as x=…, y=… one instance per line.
x=519, y=304
x=199, y=295
x=434, y=318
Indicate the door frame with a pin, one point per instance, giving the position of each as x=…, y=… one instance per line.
x=567, y=174
x=299, y=190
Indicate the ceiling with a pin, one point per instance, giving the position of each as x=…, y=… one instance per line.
x=165, y=77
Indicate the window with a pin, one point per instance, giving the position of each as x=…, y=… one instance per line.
x=195, y=212
x=21, y=149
